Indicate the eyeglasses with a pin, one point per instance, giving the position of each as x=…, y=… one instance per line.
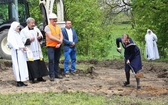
x=54, y=19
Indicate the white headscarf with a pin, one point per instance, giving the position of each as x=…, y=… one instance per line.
x=152, y=34
x=148, y=30
x=14, y=26
x=14, y=39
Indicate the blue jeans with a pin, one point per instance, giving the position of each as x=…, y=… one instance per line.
x=53, y=57
x=71, y=53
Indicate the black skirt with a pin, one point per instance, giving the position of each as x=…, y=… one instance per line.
x=37, y=69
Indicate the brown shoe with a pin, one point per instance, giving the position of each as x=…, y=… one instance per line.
x=72, y=73
x=67, y=74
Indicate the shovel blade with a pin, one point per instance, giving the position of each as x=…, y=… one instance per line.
x=139, y=75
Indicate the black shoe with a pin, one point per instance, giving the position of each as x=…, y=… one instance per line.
x=58, y=76
x=41, y=79
x=19, y=84
x=32, y=81
x=23, y=84
x=126, y=83
x=138, y=87
x=51, y=78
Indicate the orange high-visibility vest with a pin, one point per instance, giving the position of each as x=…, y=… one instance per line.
x=55, y=31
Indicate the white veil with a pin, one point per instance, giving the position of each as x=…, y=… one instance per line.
x=13, y=38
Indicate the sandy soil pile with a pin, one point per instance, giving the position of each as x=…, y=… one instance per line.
x=106, y=79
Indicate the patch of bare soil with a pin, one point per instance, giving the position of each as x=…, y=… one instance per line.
x=106, y=78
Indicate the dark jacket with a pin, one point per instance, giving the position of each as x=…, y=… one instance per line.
x=66, y=41
x=131, y=53
x=119, y=40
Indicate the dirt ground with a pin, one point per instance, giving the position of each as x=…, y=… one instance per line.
x=106, y=79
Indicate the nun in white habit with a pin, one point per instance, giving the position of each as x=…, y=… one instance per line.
x=151, y=46
x=17, y=53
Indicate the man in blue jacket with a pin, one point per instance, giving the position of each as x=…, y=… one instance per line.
x=70, y=39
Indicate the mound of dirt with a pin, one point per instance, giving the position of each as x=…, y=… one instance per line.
x=158, y=68
x=4, y=65
x=105, y=78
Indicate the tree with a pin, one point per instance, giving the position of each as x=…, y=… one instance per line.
x=116, y=10
x=87, y=19
x=151, y=14
x=35, y=11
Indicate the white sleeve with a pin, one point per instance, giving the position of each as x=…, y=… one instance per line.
x=12, y=41
x=47, y=29
x=23, y=36
x=39, y=31
x=145, y=37
x=155, y=37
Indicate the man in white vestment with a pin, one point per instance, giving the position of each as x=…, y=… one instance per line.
x=151, y=46
x=31, y=36
x=19, y=64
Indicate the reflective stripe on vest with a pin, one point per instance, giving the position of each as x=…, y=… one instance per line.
x=55, y=31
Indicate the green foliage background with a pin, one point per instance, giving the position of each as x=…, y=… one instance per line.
x=87, y=18
x=3, y=13
x=151, y=14
x=35, y=10
x=97, y=25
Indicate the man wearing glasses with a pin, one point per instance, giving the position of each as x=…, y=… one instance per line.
x=54, y=40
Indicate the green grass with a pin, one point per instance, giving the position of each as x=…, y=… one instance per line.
x=51, y=98
x=76, y=98
x=117, y=31
x=120, y=29
x=82, y=66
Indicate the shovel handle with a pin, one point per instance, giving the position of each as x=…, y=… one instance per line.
x=119, y=51
x=131, y=68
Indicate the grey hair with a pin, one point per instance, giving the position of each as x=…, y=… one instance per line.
x=29, y=19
